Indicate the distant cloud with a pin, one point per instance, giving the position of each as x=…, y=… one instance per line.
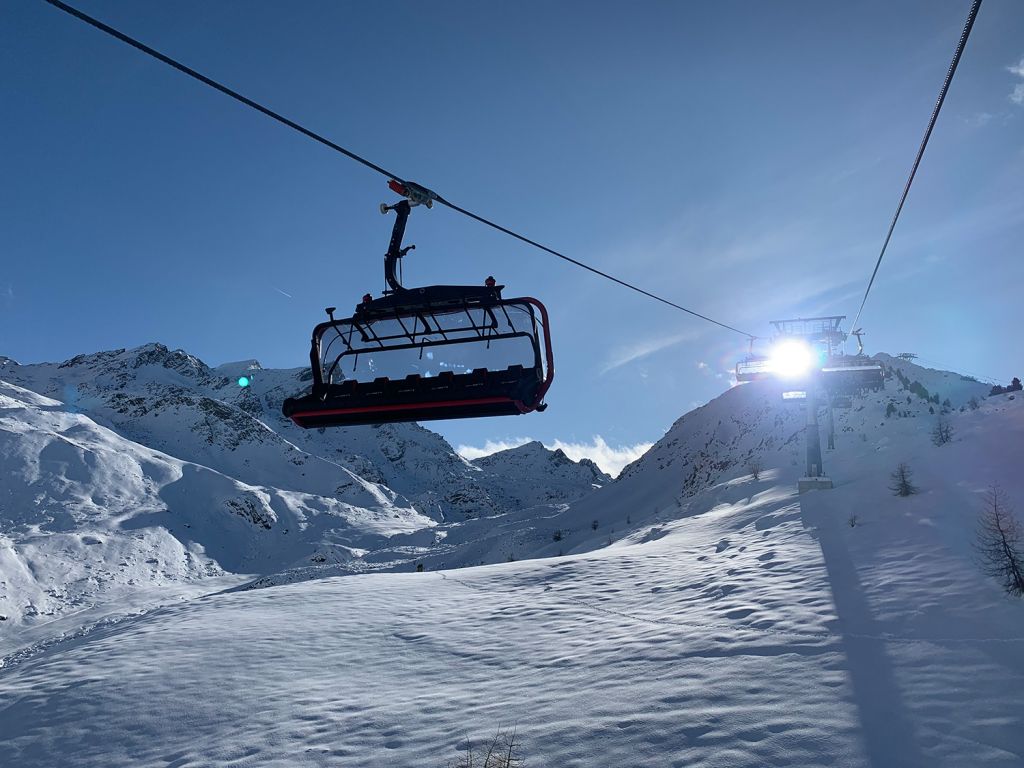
x=640, y=349
x=1017, y=95
x=491, y=446
x=611, y=459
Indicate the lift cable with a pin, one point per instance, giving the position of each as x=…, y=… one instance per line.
x=362, y=160
x=591, y=269
x=975, y=5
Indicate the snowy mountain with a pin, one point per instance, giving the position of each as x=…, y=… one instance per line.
x=695, y=615
x=146, y=471
x=88, y=516
x=713, y=444
x=173, y=402
x=504, y=472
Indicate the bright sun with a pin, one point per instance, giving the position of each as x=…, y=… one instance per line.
x=792, y=359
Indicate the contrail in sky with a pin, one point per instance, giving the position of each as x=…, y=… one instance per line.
x=283, y=293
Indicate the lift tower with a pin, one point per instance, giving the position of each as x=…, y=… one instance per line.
x=807, y=356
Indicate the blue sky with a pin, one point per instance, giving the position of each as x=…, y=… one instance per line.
x=741, y=158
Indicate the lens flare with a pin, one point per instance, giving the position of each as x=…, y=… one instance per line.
x=792, y=359
x=243, y=381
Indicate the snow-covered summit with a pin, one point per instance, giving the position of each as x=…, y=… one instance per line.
x=506, y=471
x=174, y=402
x=238, y=367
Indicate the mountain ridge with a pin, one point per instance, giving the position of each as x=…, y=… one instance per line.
x=220, y=453
x=396, y=496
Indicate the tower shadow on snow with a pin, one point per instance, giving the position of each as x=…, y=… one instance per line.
x=886, y=725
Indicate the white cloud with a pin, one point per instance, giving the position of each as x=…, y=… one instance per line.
x=611, y=459
x=1017, y=96
x=640, y=349
x=491, y=446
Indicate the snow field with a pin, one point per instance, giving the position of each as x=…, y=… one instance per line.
x=744, y=636
x=731, y=623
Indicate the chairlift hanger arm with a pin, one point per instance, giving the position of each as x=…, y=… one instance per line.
x=414, y=194
x=395, y=249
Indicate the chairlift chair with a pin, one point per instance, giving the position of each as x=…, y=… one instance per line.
x=851, y=374
x=754, y=367
x=419, y=354
x=838, y=373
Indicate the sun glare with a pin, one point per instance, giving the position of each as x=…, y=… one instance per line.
x=792, y=359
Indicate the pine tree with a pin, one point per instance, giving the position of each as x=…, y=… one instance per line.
x=901, y=485
x=1000, y=543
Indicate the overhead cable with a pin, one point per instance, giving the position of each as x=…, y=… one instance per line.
x=975, y=5
x=359, y=159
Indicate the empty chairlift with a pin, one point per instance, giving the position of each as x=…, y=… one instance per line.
x=438, y=352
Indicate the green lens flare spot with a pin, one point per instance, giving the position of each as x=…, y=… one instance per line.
x=243, y=381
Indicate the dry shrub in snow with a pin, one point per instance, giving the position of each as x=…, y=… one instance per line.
x=942, y=432
x=1000, y=543
x=503, y=751
x=755, y=466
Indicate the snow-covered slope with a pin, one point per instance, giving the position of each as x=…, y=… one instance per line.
x=715, y=443
x=131, y=474
x=173, y=402
x=87, y=516
x=742, y=625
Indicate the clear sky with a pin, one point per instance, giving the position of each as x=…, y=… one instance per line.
x=741, y=158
